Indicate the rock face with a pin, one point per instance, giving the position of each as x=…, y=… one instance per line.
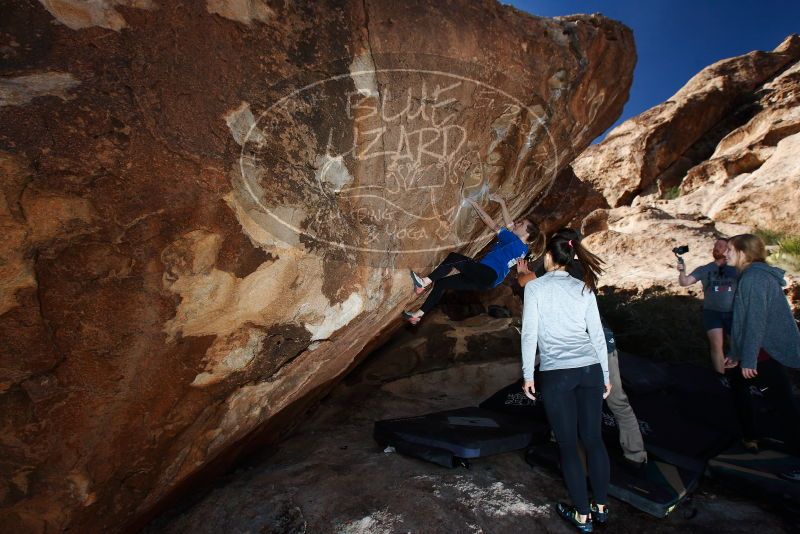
x=718, y=113
x=719, y=157
x=207, y=208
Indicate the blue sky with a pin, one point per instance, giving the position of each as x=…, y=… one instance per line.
x=677, y=38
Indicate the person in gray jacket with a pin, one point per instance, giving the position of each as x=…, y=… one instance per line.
x=630, y=434
x=764, y=338
x=560, y=316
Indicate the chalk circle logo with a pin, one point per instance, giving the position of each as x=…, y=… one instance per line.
x=376, y=161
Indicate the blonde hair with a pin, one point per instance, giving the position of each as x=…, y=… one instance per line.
x=536, y=239
x=751, y=246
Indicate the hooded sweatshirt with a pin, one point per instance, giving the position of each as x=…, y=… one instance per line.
x=560, y=316
x=762, y=318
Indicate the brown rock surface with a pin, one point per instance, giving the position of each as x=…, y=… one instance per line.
x=655, y=149
x=753, y=176
x=184, y=265
x=637, y=247
x=718, y=158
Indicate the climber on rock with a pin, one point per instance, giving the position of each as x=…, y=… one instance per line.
x=462, y=273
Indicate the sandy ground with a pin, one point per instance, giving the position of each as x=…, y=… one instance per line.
x=331, y=477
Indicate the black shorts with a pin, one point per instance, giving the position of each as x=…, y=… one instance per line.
x=716, y=319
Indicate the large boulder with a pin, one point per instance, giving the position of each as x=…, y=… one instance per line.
x=653, y=151
x=753, y=176
x=207, y=209
x=718, y=158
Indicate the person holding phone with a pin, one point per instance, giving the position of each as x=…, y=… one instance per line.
x=719, y=285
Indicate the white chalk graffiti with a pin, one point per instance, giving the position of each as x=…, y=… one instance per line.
x=396, y=162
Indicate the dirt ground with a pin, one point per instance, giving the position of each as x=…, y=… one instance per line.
x=330, y=476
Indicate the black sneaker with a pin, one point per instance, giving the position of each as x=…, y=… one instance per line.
x=634, y=466
x=570, y=515
x=597, y=515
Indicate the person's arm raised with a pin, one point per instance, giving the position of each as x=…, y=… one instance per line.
x=484, y=216
x=506, y=215
x=684, y=279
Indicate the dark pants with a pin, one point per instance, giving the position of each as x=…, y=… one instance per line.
x=774, y=384
x=472, y=276
x=573, y=400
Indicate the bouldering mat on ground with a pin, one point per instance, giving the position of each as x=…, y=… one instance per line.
x=761, y=475
x=641, y=375
x=462, y=433
x=656, y=488
x=705, y=396
x=667, y=435
x=511, y=400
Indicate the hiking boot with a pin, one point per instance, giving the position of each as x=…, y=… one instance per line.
x=570, y=515
x=598, y=516
x=634, y=466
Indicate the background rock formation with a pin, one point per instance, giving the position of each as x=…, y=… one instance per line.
x=164, y=303
x=655, y=149
x=718, y=158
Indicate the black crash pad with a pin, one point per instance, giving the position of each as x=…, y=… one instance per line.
x=668, y=435
x=656, y=488
x=511, y=400
x=642, y=376
x=759, y=475
x=444, y=437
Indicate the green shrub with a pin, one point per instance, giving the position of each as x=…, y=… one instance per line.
x=787, y=253
x=672, y=193
x=790, y=245
x=769, y=237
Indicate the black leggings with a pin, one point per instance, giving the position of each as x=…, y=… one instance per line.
x=573, y=400
x=774, y=382
x=472, y=276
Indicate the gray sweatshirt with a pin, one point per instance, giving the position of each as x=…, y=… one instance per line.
x=762, y=318
x=560, y=316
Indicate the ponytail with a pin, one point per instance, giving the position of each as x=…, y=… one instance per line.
x=591, y=265
x=536, y=240
x=565, y=248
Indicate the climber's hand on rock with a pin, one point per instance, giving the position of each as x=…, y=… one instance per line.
x=495, y=197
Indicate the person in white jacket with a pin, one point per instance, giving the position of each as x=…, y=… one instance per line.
x=560, y=316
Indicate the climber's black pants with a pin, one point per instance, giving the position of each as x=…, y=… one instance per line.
x=472, y=276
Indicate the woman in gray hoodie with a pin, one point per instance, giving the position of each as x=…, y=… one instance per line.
x=561, y=318
x=764, y=337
